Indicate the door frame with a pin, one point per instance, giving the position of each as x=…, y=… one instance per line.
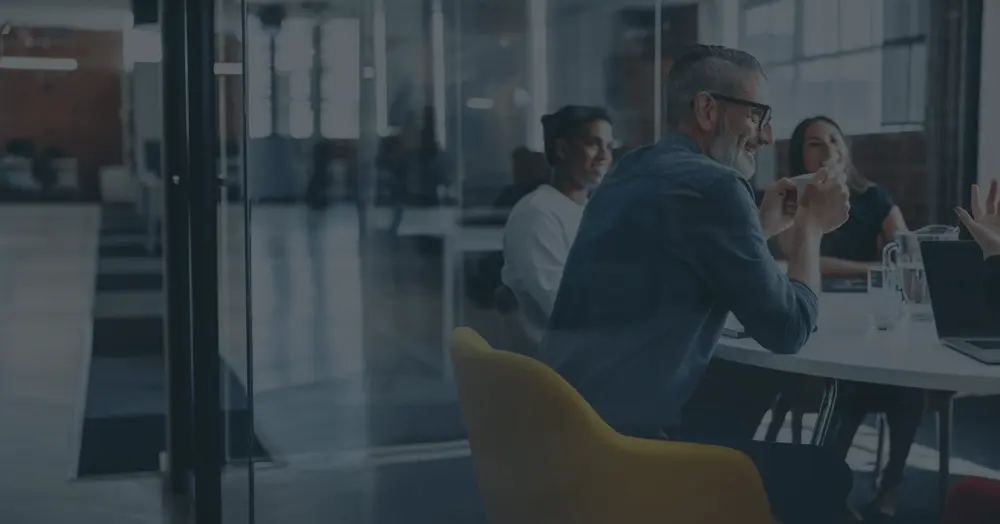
x=192, y=191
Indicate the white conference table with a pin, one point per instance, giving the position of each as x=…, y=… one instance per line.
x=847, y=347
x=458, y=240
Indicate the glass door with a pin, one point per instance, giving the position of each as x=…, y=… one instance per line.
x=242, y=448
x=212, y=442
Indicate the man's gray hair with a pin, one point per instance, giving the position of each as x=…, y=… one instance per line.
x=711, y=68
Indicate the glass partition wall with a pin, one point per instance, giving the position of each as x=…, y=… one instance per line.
x=382, y=136
x=367, y=154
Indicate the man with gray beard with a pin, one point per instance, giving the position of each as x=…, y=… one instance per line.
x=669, y=245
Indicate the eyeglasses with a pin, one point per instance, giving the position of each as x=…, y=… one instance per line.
x=760, y=113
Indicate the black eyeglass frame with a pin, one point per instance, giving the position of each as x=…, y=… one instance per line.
x=762, y=113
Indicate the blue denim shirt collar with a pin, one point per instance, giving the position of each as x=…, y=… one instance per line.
x=678, y=139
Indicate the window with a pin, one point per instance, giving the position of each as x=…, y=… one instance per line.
x=857, y=96
x=905, y=18
x=258, y=68
x=918, y=82
x=820, y=34
x=340, y=83
x=769, y=31
x=906, y=23
x=860, y=24
x=293, y=62
x=862, y=62
x=781, y=81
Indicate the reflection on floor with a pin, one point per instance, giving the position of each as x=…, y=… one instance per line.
x=308, y=335
x=312, y=394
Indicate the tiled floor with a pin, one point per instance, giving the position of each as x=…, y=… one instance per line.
x=320, y=400
x=48, y=257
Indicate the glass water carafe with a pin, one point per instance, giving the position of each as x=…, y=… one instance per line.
x=902, y=258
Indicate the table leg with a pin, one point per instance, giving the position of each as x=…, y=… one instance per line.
x=825, y=419
x=944, y=426
x=448, y=316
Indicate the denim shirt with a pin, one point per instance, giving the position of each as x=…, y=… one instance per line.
x=669, y=245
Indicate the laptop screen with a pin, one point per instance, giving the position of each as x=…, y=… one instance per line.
x=955, y=281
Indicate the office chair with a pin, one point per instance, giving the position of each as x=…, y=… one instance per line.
x=543, y=455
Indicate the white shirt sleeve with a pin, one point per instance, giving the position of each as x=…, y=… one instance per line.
x=535, y=247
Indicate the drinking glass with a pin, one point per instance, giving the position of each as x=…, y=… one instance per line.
x=886, y=302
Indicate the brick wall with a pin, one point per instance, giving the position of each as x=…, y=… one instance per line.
x=895, y=161
x=77, y=111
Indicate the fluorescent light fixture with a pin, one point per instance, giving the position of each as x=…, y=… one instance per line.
x=38, y=63
x=91, y=17
x=229, y=68
x=479, y=103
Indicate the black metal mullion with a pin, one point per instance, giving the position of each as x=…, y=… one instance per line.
x=203, y=191
x=247, y=250
x=177, y=324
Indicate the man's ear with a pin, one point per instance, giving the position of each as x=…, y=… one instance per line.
x=706, y=111
x=561, y=146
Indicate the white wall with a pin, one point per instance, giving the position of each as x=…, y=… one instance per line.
x=989, y=102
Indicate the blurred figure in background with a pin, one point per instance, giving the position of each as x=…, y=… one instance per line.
x=414, y=165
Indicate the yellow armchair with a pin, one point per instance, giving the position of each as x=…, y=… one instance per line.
x=543, y=455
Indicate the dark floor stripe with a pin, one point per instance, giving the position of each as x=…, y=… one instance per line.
x=128, y=251
x=123, y=229
x=128, y=337
x=129, y=282
x=132, y=444
x=127, y=377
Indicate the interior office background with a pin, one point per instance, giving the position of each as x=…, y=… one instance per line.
x=355, y=419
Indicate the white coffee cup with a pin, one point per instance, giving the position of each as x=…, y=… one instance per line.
x=801, y=181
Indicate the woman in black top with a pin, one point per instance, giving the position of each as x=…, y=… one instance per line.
x=848, y=252
x=984, y=226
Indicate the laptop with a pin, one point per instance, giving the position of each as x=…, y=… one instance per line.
x=954, y=271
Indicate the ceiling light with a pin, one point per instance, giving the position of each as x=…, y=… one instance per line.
x=37, y=63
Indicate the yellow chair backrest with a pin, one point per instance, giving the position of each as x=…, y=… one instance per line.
x=543, y=455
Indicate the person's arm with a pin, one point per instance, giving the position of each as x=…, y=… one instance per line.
x=893, y=223
x=534, y=246
x=828, y=266
x=778, y=311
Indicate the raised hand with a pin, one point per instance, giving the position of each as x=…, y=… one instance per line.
x=984, y=223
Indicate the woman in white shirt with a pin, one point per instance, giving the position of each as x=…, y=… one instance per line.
x=542, y=225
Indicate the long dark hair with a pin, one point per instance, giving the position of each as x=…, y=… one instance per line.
x=797, y=161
